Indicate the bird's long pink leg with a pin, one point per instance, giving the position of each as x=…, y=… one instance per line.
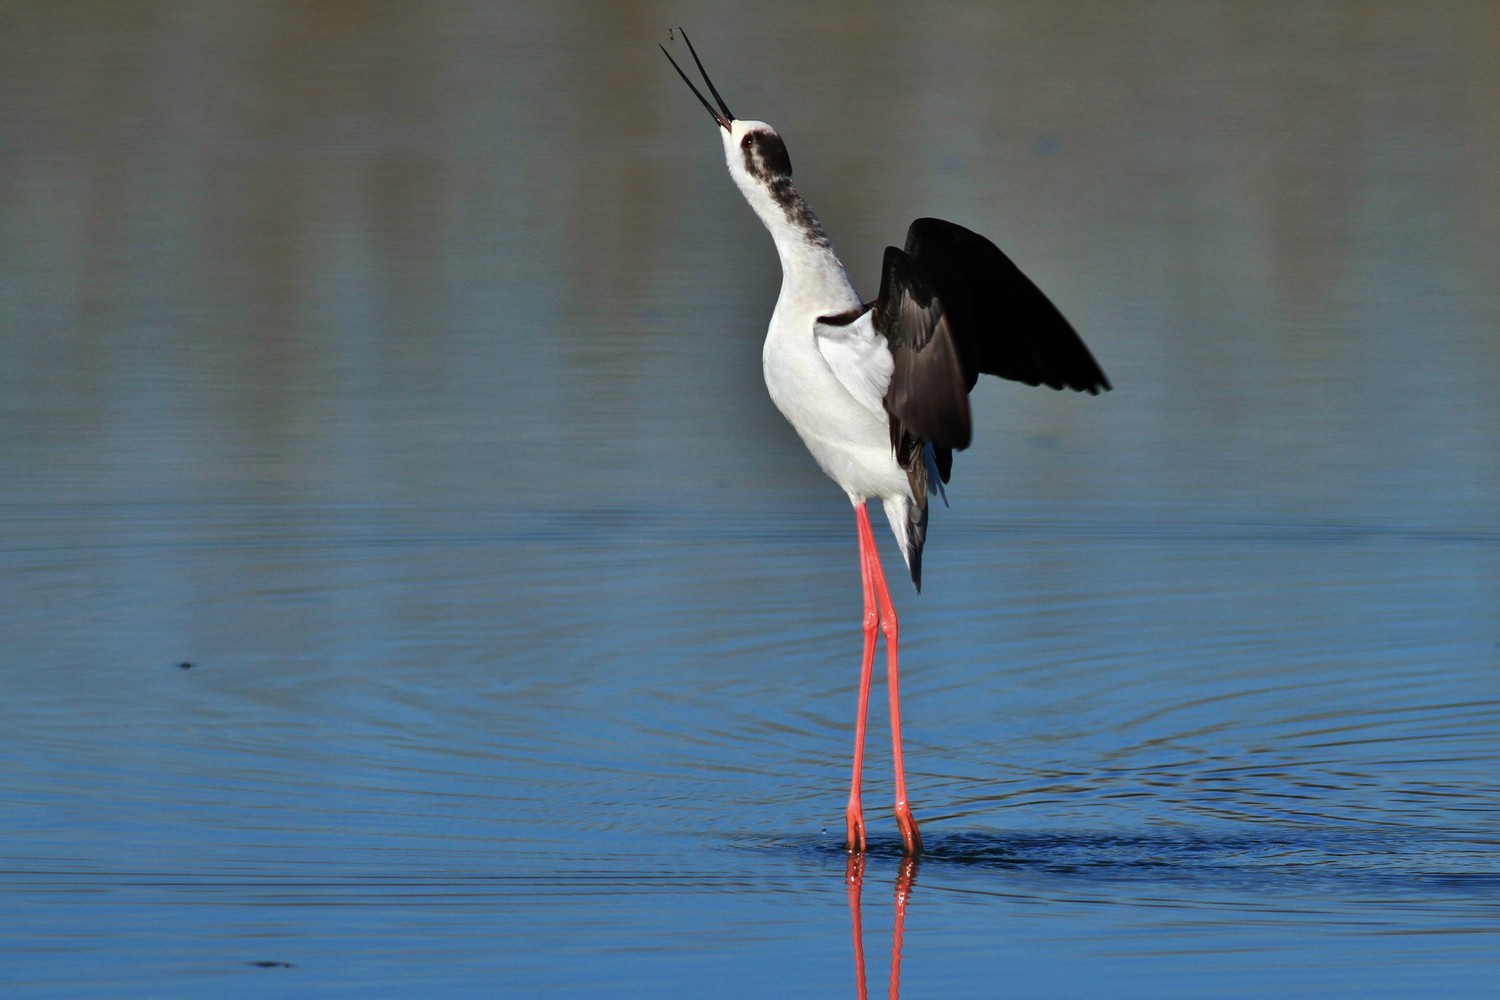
x=854, y=815
x=911, y=840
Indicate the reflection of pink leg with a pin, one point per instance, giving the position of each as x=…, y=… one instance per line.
x=854, y=816
x=911, y=840
x=905, y=877
x=854, y=878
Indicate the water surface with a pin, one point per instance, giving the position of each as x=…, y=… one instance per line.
x=405, y=584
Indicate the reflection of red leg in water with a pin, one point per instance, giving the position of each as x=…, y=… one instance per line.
x=854, y=876
x=904, y=879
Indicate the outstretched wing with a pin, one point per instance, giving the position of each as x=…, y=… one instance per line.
x=1001, y=323
x=951, y=307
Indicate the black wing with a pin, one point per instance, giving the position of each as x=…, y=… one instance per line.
x=1001, y=323
x=953, y=307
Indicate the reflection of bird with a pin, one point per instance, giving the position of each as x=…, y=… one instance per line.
x=878, y=391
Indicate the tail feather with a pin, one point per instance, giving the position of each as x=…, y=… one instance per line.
x=908, y=517
x=909, y=524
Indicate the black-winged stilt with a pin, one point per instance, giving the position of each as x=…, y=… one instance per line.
x=879, y=391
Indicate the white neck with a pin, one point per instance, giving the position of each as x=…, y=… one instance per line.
x=811, y=273
x=810, y=270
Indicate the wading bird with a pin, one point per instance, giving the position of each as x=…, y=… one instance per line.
x=879, y=391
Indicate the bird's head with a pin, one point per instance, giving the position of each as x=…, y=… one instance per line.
x=755, y=154
x=759, y=164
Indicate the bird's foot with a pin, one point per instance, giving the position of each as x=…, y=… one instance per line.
x=854, y=829
x=911, y=839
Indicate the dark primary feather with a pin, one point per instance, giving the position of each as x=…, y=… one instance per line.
x=1002, y=323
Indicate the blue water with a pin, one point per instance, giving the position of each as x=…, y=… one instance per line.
x=406, y=586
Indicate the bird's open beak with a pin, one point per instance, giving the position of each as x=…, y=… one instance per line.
x=722, y=119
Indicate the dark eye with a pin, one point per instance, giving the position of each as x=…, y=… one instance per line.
x=748, y=141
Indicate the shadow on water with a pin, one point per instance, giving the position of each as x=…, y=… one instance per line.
x=1275, y=871
x=1345, y=857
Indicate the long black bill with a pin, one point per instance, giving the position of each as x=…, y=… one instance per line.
x=722, y=119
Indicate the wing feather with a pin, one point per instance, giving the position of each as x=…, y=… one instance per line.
x=928, y=394
x=1002, y=323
